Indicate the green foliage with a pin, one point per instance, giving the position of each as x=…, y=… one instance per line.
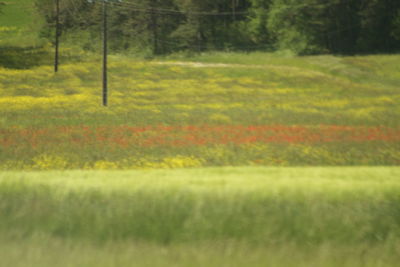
x=212, y=24
x=152, y=27
x=378, y=26
x=335, y=26
x=292, y=24
x=142, y=25
x=396, y=26
x=257, y=22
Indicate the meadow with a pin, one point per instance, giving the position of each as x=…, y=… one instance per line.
x=215, y=110
x=19, y=24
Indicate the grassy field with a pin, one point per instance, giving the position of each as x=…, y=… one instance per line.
x=216, y=110
x=216, y=217
x=20, y=44
x=19, y=24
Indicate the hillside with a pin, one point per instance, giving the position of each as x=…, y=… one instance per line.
x=19, y=24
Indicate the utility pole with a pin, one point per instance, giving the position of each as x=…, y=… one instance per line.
x=105, y=88
x=105, y=51
x=154, y=26
x=57, y=35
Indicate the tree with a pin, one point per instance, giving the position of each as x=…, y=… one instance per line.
x=163, y=26
x=74, y=15
x=257, y=22
x=300, y=26
x=144, y=25
x=378, y=26
x=396, y=26
x=212, y=24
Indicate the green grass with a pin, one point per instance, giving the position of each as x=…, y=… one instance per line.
x=44, y=251
x=17, y=13
x=214, y=217
x=380, y=69
x=20, y=44
x=19, y=24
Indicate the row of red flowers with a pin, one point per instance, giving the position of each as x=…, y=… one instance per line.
x=124, y=136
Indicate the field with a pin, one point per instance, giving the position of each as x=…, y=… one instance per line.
x=249, y=216
x=216, y=110
x=218, y=159
x=18, y=24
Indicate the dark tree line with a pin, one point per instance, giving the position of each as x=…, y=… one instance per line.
x=302, y=26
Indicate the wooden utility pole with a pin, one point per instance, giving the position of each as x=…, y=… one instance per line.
x=105, y=88
x=57, y=35
x=154, y=26
x=105, y=51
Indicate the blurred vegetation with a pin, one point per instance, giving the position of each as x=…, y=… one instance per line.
x=215, y=217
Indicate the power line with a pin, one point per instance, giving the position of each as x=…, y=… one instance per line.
x=76, y=12
x=136, y=7
x=173, y=11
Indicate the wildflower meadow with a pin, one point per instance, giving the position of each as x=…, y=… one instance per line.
x=311, y=111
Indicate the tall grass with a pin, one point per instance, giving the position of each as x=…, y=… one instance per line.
x=259, y=206
x=318, y=215
x=44, y=251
